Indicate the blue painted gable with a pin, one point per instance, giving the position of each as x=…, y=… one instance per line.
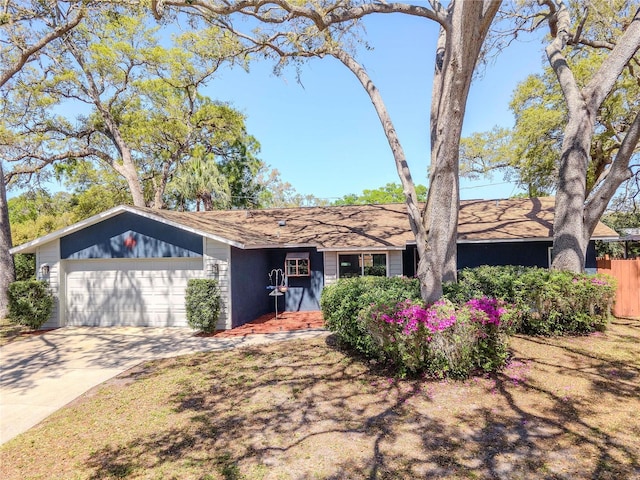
x=130, y=236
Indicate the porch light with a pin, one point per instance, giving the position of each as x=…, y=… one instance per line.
x=213, y=269
x=44, y=270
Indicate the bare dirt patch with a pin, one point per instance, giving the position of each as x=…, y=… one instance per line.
x=563, y=409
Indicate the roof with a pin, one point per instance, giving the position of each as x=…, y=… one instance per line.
x=348, y=227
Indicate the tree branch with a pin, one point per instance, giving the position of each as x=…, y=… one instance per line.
x=322, y=20
x=26, y=53
x=604, y=79
x=618, y=173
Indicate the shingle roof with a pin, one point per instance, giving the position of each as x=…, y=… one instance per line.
x=371, y=226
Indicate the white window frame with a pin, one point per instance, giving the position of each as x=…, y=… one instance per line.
x=361, y=254
x=297, y=257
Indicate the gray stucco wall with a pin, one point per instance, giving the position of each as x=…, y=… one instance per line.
x=130, y=236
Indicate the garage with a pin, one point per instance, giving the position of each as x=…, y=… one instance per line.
x=128, y=292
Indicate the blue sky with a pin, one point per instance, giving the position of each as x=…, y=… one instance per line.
x=324, y=136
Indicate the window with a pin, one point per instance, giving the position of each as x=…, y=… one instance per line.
x=296, y=264
x=357, y=264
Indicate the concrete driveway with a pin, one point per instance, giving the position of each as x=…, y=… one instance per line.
x=43, y=373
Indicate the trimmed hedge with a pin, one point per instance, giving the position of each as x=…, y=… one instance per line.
x=548, y=302
x=342, y=302
x=30, y=303
x=202, y=301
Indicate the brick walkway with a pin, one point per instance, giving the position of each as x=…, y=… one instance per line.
x=286, y=322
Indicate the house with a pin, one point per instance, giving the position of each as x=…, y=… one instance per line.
x=130, y=265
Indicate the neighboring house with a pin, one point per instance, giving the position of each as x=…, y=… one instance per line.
x=130, y=265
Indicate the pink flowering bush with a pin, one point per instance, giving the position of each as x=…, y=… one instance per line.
x=442, y=339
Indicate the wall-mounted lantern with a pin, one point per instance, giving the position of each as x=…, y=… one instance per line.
x=213, y=269
x=44, y=270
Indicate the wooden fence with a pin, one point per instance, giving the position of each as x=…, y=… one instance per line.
x=627, y=272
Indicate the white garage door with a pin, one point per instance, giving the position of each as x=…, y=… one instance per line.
x=129, y=292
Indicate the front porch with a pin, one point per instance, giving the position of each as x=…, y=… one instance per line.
x=286, y=322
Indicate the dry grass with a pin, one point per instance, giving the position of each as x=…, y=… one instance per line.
x=10, y=332
x=563, y=409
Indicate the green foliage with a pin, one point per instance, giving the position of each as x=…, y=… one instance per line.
x=276, y=193
x=547, y=302
x=38, y=212
x=343, y=302
x=30, y=303
x=529, y=154
x=202, y=301
x=143, y=91
x=490, y=281
x=390, y=193
x=620, y=221
x=25, y=265
x=566, y=303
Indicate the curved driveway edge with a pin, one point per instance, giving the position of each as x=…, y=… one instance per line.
x=43, y=373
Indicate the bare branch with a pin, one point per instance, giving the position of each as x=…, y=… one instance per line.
x=263, y=10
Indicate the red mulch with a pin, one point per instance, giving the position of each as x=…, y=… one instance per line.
x=36, y=332
x=286, y=322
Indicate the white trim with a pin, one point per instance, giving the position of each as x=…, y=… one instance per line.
x=361, y=249
x=229, y=320
x=171, y=223
x=62, y=297
x=520, y=240
x=67, y=230
x=276, y=245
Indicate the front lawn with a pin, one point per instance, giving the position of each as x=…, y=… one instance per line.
x=564, y=408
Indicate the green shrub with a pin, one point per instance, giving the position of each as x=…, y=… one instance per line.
x=565, y=303
x=202, y=301
x=25, y=264
x=490, y=281
x=30, y=303
x=547, y=302
x=342, y=302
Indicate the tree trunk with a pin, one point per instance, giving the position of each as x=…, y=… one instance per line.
x=207, y=202
x=435, y=230
x=458, y=49
x=128, y=170
x=128, y=167
x=575, y=217
x=402, y=167
x=7, y=270
x=569, y=243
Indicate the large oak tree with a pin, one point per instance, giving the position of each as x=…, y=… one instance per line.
x=576, y=214
x=322, y=28
x=26, y=28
